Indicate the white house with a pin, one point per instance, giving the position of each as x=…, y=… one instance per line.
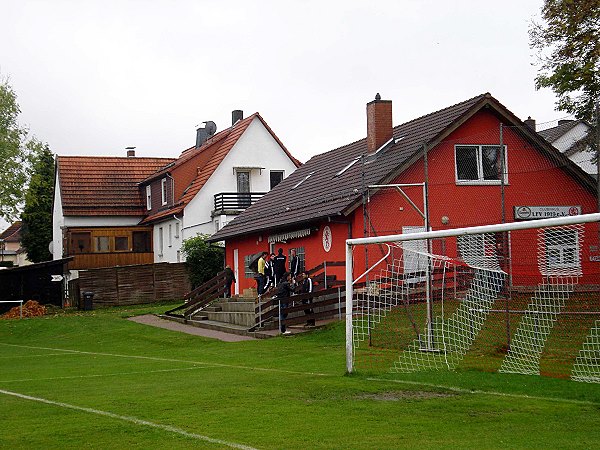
x=213, y=182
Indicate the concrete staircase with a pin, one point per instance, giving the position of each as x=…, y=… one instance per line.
x=231, y=315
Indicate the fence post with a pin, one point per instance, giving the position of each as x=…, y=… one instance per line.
x=339, y=303
x=325, y=272
x=20, y=309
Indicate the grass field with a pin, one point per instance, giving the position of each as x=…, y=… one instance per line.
x=96, y=380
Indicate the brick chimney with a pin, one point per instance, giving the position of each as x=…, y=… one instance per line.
x=379, y=123
x=530, y=123
x=130, y=152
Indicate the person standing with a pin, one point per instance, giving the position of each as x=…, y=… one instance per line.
x=260, y=281
x=294, y=263
x=269, y=272
x=285, y=288
x=229, y=280
x=279, y=266
x=307, y=288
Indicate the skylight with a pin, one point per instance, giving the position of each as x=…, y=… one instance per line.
x=302, y=180
x=350, y=164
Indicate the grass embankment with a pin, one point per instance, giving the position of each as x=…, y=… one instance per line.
x=277, y=393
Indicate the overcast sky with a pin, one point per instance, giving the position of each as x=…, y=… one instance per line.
x=93, y=77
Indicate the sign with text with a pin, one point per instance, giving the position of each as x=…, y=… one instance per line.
x=545, y=212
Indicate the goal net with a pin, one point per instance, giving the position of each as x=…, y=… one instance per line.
x=514, y=298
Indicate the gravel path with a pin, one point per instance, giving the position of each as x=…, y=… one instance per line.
x=152, y=320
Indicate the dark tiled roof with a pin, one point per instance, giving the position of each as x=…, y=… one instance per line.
x=12, y=233
x=554, y=133
x=104, y=185
x=324, y=194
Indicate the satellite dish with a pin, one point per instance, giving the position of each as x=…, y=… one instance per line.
x=51, y=247
x=210, y=127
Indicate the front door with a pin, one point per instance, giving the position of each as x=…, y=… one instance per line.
x=236, y=271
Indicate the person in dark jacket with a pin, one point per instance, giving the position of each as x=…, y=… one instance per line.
x=294, y=263
x=229, y=280
x=269, y=273
x=284, y=290
x=279, y=266
x=307, y=288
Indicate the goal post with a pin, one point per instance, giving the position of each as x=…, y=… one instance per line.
x=523, y=296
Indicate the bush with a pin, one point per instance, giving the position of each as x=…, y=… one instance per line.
x=6, y=263
x=204, y=260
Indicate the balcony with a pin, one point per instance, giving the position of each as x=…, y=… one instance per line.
x=234, y=202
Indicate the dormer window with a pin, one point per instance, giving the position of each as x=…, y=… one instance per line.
x=148, y=197
x=163, y=190
x=303, y=180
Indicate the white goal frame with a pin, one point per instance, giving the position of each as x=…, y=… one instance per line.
x=496, y=228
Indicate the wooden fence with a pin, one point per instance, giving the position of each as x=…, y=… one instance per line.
x=131, y=285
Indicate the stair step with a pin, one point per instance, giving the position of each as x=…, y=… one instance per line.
x=220, y=326
x=214, y=308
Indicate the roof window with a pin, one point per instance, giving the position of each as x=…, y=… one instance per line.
x=302, y=180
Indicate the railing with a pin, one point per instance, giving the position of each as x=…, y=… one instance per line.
x=226, y=201
x=326, y=303
x=201, y=297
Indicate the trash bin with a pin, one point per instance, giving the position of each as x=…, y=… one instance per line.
x=88, y=304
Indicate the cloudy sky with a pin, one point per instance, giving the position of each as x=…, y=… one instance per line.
x=94, y=77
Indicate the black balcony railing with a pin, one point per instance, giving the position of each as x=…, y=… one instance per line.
x=232, y=201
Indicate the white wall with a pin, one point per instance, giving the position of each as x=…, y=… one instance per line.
x=255, y=148
x=565, y=142
x=170, y=246
x=58, y=221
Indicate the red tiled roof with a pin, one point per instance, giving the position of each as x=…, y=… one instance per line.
x=104, y=185
x=12, y=233
x=212, y=153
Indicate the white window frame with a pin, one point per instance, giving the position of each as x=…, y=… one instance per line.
x=148, y=197
x=163, y=191
x=480, y=180
x=561, y=248
x=176, y=230
x=170, y=235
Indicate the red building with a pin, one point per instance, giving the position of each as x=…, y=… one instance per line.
x=320, y=205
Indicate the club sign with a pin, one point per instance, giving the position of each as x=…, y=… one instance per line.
x=545, y=212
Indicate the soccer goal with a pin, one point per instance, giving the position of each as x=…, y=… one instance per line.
x=520, y=297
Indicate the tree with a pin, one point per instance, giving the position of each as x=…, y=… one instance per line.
x=568, y=46
x=37, y=213
x=17, y=153
x=204, y=260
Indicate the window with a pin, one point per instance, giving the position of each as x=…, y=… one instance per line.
x=248, y=272
x=160, y=241
x=243, y=188
x=170, y=235
x=148, y=197
x=81, y=243
x=216, y=225
x=479, y=164
x=141, y=241
x=176, y=230
x=562, y=248
x=163, y=191
x=121, y=243
x=101, y=244
x=276, y=177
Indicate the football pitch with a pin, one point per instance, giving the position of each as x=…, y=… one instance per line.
x=97, y=380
